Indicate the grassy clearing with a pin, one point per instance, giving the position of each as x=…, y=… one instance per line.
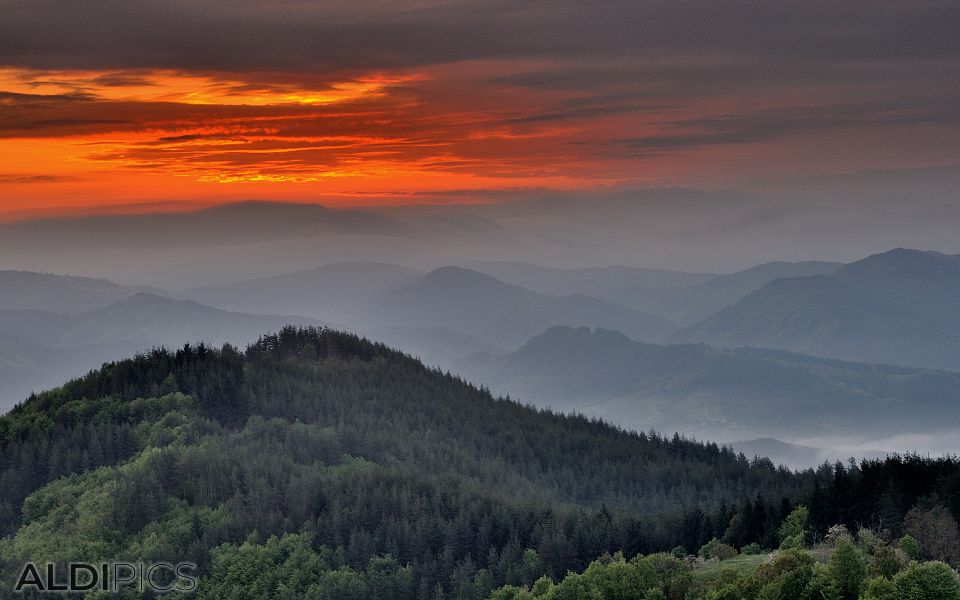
x=742, y=563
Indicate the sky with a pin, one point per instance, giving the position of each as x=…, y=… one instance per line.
x=138, y=106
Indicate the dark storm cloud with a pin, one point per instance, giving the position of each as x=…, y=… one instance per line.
x=300, y=35
x=775, y=124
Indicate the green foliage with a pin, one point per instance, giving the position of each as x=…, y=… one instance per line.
x=870, y=541
x=886, y=562
x=793, y=531
x=792, y=575
x=715, y=549
x=847, y=569
x=348, y=470
x=751, y=549
x=928, y=581
x=879, y=588
x=174, y=454
x=910, y=546
x=793, y=542
x=822, y=586
x=658, y=576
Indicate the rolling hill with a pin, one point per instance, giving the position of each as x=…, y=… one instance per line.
x=315, y=464
x=41, y=349
x=503, y=314
x=340, y=292
x=726, y=395
x=355, y=461
x=26, y=290
x=679, y=296
x=696, y=302
x=898, y=307
x=629, y=286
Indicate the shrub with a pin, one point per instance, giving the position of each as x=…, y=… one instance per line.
x=821, y=586
x=928, y=581
x=847, y=569
x=879, y=588
x=870, y=540
x=794, y=542
x=910, y=546
x=715, y=549
x=751, y=549
x=794, y=527
x=886, y=562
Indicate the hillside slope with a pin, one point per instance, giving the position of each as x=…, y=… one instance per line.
x=340, y=292
x=724, y=395
x=898, y=307
x=26, y=290
x=630, y=286
x=42, y=349
x=367, y=458
x=696, y=302
x=503, y=314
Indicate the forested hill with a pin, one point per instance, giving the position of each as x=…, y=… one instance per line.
x=380, y=478
x=174, y=453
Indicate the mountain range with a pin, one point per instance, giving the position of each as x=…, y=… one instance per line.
x=25, y=290
x=371, y=296
x=723, y=395
x=505, y=314
x=340, y=292
x=899, y=307
x=41, y=349
x=895, y=308
x=679, y=296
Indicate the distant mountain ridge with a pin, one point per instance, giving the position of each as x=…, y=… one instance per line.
x=381, y=296
x=899, y=307
x=701, y=300
x=40, y=349
x=339, y=292
x=725, y=395
x=678, y=296
x=27, y=290
x=798, y=456
x=505, y=314
x=630, y=286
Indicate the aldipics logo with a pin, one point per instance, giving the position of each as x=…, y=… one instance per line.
x=159, y=577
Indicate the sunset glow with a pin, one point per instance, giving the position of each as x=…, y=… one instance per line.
x=422, y=104
x=124, y=137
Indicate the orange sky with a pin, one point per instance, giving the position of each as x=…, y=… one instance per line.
x=79, y=140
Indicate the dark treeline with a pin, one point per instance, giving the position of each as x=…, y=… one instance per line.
x=371, y=459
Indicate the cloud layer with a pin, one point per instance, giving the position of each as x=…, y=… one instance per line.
x=125, y=101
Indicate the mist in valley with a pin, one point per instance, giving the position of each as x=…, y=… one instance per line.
x=721, y=315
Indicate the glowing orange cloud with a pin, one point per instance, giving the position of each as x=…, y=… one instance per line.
x=192, y=88
x=117, y=137
x=70, y=140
